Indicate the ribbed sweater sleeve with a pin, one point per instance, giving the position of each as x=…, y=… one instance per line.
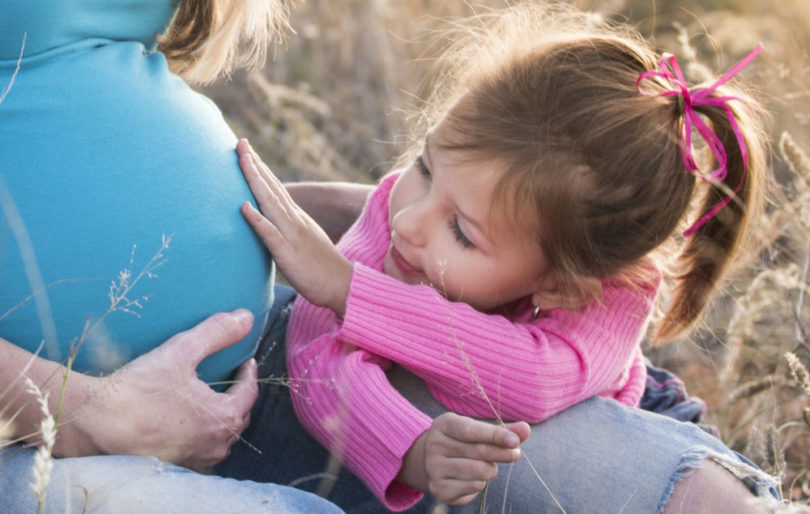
x=341, y=393
x=343, y=398
x=485, y=365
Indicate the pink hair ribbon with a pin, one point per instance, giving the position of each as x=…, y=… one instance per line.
x=670, y=71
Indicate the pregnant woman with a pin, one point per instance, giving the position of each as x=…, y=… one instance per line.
x=118, y=186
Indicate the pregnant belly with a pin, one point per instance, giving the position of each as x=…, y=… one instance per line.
x=121, y=196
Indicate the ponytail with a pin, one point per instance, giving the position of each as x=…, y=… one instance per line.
x=714, y=242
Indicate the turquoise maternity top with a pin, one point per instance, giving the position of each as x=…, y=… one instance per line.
x=120, y=191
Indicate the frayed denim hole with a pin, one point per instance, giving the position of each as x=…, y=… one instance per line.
x=759, y=482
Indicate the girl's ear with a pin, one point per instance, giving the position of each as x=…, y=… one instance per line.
x=551, y=293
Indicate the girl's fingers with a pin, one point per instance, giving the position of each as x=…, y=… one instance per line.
x=481, y=452
x=458, y=492
x=521, y=429
x=506, y=438
x=274, y=201
x=271, y=195
x=464, y=500
x=247, y=151
x=263, y=227
x=471, y=431
x=464, y=437
x=242, y=146
x=468, y=470
x=261, y=190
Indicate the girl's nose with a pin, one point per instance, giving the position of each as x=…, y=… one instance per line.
x=411, y=224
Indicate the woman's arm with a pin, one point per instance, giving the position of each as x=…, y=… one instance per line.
x=155, y=405
x=19, y=406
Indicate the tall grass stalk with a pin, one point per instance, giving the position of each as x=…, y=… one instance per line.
x=43, y=459
x=120, y=301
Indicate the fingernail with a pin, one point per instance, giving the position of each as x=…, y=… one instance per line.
x=512, y=440
x=243, y=316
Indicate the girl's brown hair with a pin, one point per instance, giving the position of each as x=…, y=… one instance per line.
x=208, y=38
x=551, y=93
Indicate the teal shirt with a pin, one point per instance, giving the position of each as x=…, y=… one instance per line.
x=103, y=152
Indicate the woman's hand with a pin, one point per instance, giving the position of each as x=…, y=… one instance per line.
x=457, y=455
x=302, y=250
x=156, y=405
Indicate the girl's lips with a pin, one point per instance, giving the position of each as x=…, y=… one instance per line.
x=400, y=262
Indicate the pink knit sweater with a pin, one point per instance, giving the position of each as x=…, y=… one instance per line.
x=478, y=364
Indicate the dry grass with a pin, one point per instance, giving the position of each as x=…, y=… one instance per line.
x=43, y=460
x=334, y=105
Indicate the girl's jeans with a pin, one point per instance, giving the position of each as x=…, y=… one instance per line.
x=597, y=456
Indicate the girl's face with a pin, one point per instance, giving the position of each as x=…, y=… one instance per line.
x=444, y=234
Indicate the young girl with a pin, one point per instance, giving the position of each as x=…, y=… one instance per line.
x=514, y=264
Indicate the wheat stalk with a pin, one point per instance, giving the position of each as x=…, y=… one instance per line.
x=6, y=431
x=43, y=459
x=799, y=371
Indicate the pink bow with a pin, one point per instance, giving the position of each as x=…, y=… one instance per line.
x=670, y=71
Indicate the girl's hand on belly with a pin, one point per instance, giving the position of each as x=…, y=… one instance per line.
x=157, y=406
x=302, y=250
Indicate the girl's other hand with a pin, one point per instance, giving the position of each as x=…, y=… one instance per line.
x=156, y=405
x=457, y=455
x=301, y=249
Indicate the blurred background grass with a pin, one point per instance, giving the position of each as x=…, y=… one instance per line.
x=334, y=105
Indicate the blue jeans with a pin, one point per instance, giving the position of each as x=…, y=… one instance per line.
x=597, y=456
x=128, y=484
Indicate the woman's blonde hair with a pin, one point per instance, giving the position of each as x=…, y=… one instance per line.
x=209, y=38
x=591, y=162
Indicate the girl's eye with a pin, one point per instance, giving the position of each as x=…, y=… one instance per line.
x=459, y=234
x=423, y=170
